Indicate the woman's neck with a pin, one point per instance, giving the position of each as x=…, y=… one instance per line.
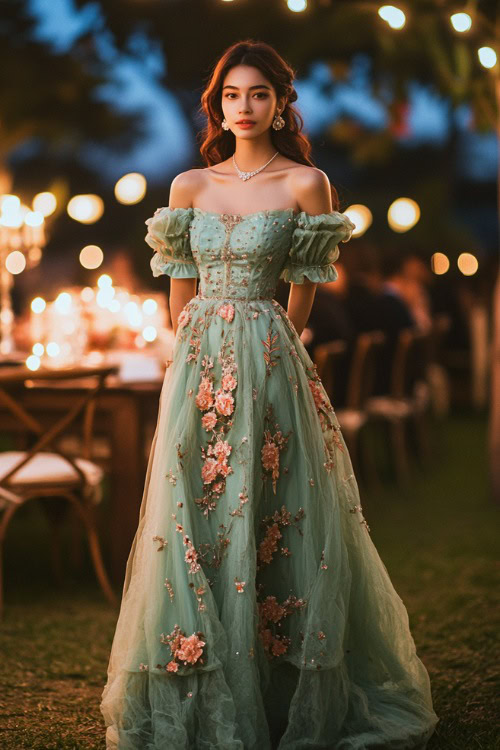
x=252, y=154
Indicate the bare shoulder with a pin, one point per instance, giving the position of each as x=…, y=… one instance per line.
x=184, y=187
x=311, y=188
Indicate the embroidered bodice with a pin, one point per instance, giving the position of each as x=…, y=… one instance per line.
x=242, y=256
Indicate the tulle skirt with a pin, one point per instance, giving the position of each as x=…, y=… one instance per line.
x=256, y=612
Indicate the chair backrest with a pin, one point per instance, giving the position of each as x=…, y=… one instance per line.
x=409, y=362
x=362, y=369
x=14, y=382
x=325, y=357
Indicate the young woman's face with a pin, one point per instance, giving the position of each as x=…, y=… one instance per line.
x=248, y=95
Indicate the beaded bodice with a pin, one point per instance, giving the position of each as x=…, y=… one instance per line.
x=242, y=257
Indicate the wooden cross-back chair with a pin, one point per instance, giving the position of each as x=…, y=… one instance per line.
x=43, y=469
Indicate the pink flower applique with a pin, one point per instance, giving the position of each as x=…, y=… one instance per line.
x=229, y=382
x=224, y=402
x=204, y=398
x=209, y=420
x=240, y=585
x=191, y=649
x=184, y=649
x=210, y=470
x=184, y=318
x=226, y=311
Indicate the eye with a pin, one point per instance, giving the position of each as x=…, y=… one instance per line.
x=257, y=93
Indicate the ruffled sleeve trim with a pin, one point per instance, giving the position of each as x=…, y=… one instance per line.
x=314, y=249
x=168, y=236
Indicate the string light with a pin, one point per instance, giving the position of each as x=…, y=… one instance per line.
x=403, y=214
x=297, y=6
x=131, y=188
x=91, y=256
x=393, y=16
x=461, y=22
x=467, y=263
x=439, y=263
x=87, y=209
x=487, y=57
x=361, y=217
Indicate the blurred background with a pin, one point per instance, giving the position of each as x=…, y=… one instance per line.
x=99, y=112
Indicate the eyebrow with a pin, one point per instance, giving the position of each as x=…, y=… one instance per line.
x=260, y=86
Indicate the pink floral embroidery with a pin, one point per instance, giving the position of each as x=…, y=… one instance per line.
x=221, y=450
x=269, y=544
x=190, y=649
x=240, y=585
x=273, y=444
x=229, y=382
x=326, y=415
x=224, y=403
x=280, y=519
x=185, y=649
x=204, y=399
x=209, y=470
x=215, y=455
x=271, y=613
x=209, y=421
x=184, y=318
x=191, y=556
x=318, y=395
x=226, y=311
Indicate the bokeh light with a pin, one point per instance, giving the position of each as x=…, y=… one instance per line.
x=149, y=333
x=33, y=362
x=467, y=263
x=393, y=16
x=45, y=203
x=297, y=6
x=38, y=305
x=361, y=216
x=104, y=280
x=15, y=262
x=487, y=57
x=440, y=263
x=461, y=22
x=63, y=303
x=86, y=209
x=131, y=188
x=403, y=214
x=91, y=256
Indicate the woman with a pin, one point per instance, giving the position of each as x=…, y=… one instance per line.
x=256, y=612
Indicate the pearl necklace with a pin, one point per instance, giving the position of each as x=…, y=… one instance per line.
x=247, y=175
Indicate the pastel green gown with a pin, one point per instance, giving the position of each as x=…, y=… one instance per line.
x=256, y=612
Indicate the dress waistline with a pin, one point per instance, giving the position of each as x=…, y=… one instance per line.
x=233, y=299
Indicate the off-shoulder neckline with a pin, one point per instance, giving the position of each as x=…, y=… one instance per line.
x=245, y=216
x=265, y=211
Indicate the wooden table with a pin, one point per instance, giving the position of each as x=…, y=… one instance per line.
x=124, y=410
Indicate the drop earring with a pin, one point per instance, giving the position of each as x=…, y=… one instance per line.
x=224, y=124
x=278, y=122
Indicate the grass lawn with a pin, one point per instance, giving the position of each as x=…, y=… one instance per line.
x=437, y=539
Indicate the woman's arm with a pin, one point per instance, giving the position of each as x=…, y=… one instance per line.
x=313, y=194
x=181, y=290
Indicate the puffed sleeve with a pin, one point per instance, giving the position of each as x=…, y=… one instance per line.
x=168, y=235
x=315, y=247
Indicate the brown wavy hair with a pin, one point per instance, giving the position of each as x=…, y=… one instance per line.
x=218, y=144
